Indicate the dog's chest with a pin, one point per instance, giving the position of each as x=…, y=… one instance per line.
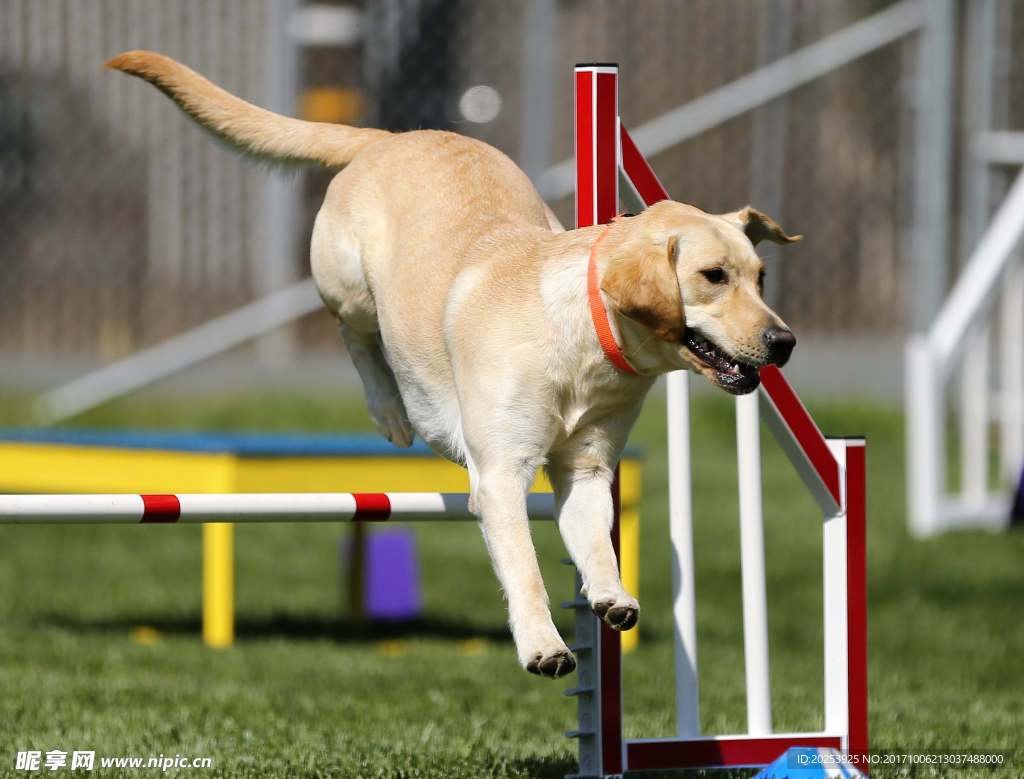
x=607, y=399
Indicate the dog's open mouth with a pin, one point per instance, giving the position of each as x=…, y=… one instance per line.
x=729, y=373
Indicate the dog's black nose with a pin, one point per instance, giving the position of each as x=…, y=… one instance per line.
x=780, y=343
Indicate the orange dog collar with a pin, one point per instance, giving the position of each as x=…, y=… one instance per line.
x=599, y=314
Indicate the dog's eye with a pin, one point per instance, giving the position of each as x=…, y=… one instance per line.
x=760, y=282
x=714, y=275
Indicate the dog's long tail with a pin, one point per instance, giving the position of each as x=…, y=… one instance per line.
x=251, y=130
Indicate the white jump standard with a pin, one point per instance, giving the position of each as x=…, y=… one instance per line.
x=832, y=470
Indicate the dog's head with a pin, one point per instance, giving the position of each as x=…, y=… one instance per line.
x=696, y=281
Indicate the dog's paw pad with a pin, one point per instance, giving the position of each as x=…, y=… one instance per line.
x=620, y=616
x=554, y=666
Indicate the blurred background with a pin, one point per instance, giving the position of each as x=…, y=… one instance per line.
x=122, y=225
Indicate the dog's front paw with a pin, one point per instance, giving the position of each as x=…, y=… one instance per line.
x=621, y=612
x=554, y=664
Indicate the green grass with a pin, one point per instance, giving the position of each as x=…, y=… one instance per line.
x=304, y=693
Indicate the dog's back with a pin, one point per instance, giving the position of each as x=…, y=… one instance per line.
x=397, y=229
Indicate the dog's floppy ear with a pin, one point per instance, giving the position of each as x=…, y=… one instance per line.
x=641, y=283
x=759, y=227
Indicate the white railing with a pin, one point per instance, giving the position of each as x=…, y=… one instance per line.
x=960, y=336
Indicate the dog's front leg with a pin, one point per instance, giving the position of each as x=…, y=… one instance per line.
x=500, y=500
x=585, y=514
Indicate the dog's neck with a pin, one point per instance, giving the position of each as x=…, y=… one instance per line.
x=629, y=345
x=603, y=326
x=647, y=353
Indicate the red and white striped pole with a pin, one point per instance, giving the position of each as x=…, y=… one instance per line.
x=247, y=508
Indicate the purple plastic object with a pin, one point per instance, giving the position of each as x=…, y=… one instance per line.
x=1017, y=511
x=391, y=583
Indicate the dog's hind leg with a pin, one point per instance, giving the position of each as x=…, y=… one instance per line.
x=336, y=259
x=583, y=509
x=383, y=398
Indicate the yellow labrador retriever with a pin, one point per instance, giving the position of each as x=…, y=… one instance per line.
x=465, y=308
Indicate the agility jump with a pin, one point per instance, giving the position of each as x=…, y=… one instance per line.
x=832, y=470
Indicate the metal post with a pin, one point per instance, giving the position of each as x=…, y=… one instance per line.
x=974, y=418
x=587, y=628
x=540, y=30
x=1011, y=328
x=976, y=184
x=755, y=592
x=924, y=384
x=281, y=190
x=1011, y=366
x=926, y=436
x=979, y=67
x=684, y=606
x=936, y=57
x=770, y=124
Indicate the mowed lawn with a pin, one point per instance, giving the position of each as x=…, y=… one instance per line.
x=305, y=693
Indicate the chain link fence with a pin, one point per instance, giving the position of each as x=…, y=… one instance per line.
x=122, y=224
